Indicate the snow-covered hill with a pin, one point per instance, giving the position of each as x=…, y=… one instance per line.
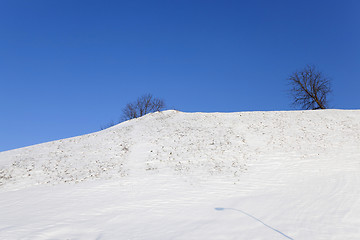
x=173, y=175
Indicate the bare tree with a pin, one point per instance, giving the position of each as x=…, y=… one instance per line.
x=310, y=88
x=143, y=105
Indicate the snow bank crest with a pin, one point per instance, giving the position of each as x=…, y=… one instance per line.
x=196, y=145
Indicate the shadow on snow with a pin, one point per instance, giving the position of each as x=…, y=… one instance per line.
x=249, y=215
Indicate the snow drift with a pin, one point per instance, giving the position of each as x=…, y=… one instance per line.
x=173, y=175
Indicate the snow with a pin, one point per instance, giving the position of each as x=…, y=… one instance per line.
x=174, y=175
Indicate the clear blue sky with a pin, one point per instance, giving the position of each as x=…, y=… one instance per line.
x=68, y=67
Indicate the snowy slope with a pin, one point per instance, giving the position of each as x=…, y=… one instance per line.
x=173, y=175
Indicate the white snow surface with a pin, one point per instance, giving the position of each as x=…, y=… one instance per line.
x=174, y=175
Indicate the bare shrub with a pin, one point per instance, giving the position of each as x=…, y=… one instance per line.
x=143, y=105
x=110, y=124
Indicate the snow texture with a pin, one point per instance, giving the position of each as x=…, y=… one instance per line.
x=174, y=175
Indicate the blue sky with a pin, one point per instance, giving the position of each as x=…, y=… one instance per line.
x=68, y=67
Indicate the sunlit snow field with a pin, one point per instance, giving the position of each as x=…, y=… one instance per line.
x=174, y=175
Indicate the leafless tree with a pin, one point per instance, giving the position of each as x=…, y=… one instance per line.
x=310, y=88
x=143, y=105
